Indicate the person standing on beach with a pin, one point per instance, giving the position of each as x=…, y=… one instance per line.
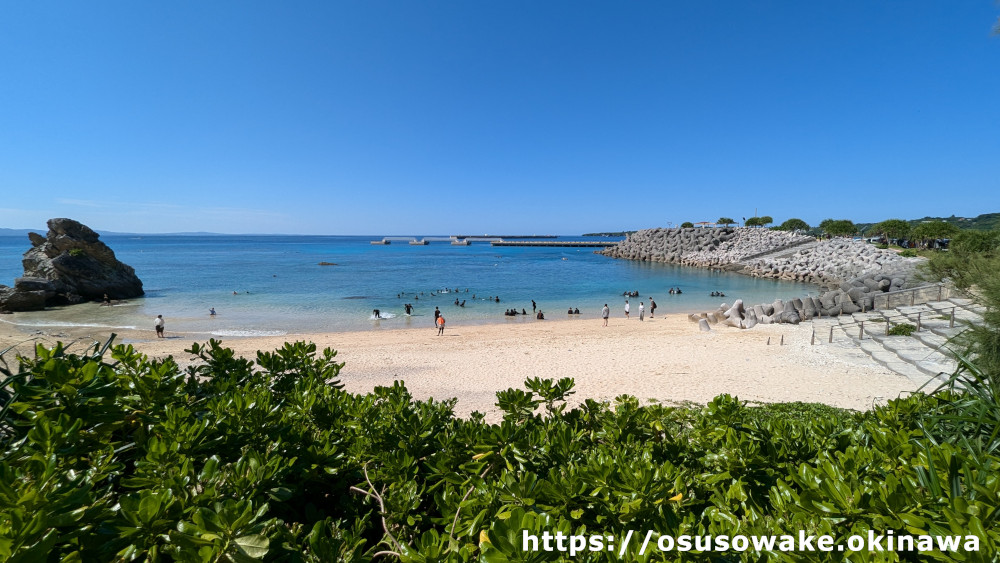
x=437, y=315
x=642, y=312
x=626, y=308
x=604, y=314
x=440, y=324
x=652, y=307
x=158, y=325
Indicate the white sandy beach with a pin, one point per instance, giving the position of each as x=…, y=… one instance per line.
x=662, y=359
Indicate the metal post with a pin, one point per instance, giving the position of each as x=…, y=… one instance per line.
x=952, y=323
x=887, y=323
x=861, y=330
x=918, y=321
x=768, y=341
x=831, y=335
x=940, y=289
x=812, y=339
x=913, y=296
x=782, y=343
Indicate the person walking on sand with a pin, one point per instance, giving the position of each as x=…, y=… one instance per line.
x=626, y=308
x=437, y=315
x=652, y=307
x=642, y=312
x=158, y=325
x=604, y=314
x=440, y=323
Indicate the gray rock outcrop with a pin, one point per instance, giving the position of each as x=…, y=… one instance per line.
x=850, y=273
x=705, y=248
x=68, y=265
x=828, y=263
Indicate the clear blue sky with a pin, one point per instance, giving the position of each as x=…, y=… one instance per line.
x=404, y=117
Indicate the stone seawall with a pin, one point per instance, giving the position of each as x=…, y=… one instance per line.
x=851, y=272
x=704, y=248
x=828, y=263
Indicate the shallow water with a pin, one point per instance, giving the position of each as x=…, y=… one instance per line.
x=281, y=288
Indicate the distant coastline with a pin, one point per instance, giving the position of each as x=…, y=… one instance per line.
x=609, y=234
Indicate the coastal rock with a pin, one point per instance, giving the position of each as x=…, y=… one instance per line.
x=12, y=299
x=849, y=272
x=69, y=265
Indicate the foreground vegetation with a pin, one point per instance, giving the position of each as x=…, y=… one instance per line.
x=110, y=456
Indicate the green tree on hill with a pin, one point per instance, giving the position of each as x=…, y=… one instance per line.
x=793, y=225
x=891, y=229
x=759, y=221
x=687, y=225
x=838, y=227
x=933, y=230
x=726, y=221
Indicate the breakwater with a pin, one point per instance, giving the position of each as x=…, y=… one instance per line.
x=563, y=243
x=850, y=272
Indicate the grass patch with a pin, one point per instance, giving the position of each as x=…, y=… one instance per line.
x=905, y=329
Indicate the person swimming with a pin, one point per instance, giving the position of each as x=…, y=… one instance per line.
x=211, y=311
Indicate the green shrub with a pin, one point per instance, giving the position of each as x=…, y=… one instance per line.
x=77, y=252
x=902, y=329
x=109, y=455
x=908, y=253
x=882, y=246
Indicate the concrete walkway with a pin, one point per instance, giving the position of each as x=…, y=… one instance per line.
x=925, y=357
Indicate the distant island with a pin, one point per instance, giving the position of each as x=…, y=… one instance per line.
x=617, y=234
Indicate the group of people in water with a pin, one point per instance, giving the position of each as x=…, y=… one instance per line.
x=513, y=312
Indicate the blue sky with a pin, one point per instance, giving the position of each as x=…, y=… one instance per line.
x=374, y=117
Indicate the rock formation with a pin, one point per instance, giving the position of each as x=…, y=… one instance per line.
x=68, y=265
x=850, y=272
x=705, y=248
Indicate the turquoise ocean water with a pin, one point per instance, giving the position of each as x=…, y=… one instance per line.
x=281, y=288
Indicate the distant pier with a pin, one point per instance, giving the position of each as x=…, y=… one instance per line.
x=550, y=243
x=499, y=241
